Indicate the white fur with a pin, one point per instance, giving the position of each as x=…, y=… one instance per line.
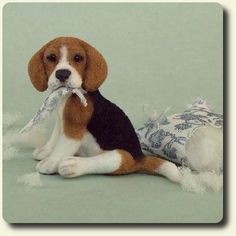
x=59, y=144
x=106, y=162
x=205, y=149
x=44, y=151
x=74, y=80
x=170, y=171
x=65, y=146
x=89, y=146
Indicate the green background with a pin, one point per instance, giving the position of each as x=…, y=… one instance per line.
x=164, y=55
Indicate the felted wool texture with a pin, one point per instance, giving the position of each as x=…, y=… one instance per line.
x=112, y=128
x=171, y=136
x=50, y=104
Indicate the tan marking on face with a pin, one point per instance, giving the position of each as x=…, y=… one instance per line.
x=79, y=66
x=92, y=70
x=50, y=66
x=72, y=49
x=76, y=116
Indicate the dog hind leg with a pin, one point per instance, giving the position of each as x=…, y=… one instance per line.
x=115, y=162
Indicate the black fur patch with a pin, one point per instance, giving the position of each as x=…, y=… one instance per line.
x=112, y=128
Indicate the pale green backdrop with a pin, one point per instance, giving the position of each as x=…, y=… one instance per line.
x=164, y=55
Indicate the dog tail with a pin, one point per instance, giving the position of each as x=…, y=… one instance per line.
x=157, y=165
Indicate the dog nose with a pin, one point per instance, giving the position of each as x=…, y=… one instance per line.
x=62, y=74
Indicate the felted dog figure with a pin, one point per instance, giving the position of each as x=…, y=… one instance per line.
x=94, y=139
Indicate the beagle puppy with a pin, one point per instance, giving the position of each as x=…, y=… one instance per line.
x=98, y=138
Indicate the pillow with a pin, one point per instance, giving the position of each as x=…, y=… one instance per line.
x=193, y=138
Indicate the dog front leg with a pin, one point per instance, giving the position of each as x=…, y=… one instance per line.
x=65, y=146
x=44, y=151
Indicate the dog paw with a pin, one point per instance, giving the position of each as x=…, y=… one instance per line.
x=41, y=153
x=47, y=166
x=68, y=168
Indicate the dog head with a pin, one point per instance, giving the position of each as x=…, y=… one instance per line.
x=68, y=62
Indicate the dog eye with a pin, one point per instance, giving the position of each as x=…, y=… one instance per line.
x=52, y=57
x=78, y=58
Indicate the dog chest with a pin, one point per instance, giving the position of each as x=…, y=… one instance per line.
x=75, y=116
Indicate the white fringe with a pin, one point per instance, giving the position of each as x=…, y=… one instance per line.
x=9, y=152
x=34, y=138
x=9, y=119
x=30, y=180
x=201, y=182
x=13, y=140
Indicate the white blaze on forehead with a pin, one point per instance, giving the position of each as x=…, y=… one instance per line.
x=64, y=52
x=74, y=80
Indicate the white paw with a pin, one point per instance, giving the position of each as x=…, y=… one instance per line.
x=41, y=153
x=69, y=167
x=47, y=166
x=170, y=171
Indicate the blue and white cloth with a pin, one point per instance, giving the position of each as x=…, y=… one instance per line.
x=50, y=104
x=167, y=136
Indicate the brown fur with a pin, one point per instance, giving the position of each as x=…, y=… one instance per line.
x=151, y=164
x=93, y=69
x=129, y=165
x=76, y=116
x=36, y=70
x=96, y=68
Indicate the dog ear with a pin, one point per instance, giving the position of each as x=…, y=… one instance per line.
x=96, y=69
x=36, y=70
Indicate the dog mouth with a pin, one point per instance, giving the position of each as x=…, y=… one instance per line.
x=68, y=87
x=54, y=84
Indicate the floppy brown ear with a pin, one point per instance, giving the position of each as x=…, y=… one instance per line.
x=36, y=70
x=96, y=69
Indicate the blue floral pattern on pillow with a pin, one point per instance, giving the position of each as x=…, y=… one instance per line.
x=167, y=136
